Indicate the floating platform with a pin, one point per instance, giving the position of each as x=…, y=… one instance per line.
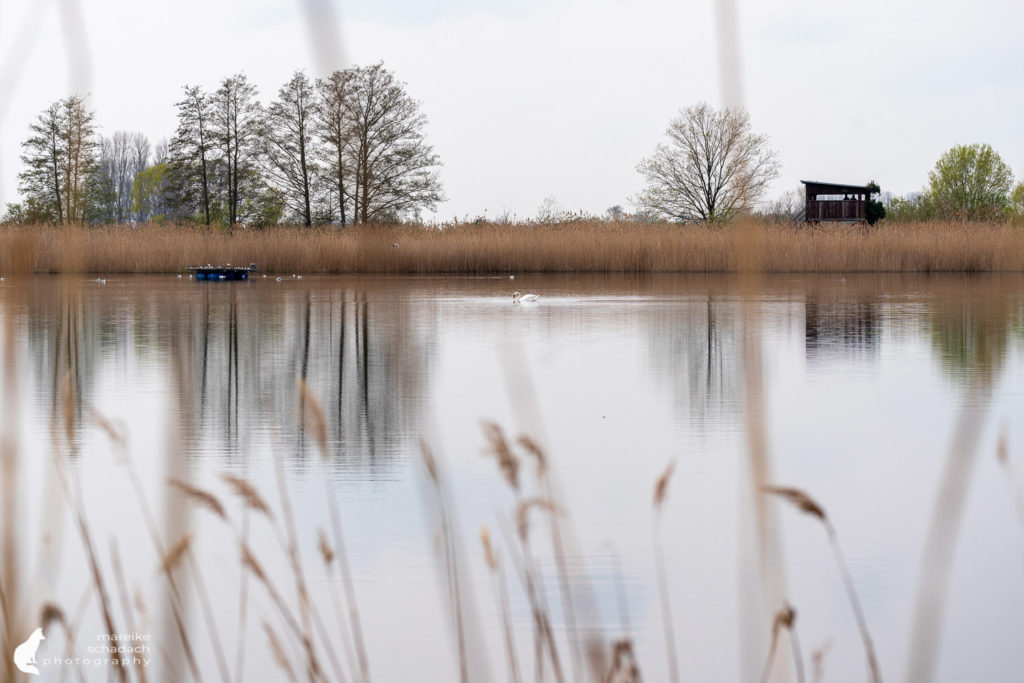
x=228, y=272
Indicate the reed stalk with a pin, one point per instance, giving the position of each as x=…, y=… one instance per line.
x=660, y=492
x=806, y=504
x=490, y=555
x=313, y=418
x=784, y=619
x=450, y=560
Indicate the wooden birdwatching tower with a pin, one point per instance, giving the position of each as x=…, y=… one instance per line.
x=833, y=202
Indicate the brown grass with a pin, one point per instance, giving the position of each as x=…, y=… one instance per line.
x=579, y=246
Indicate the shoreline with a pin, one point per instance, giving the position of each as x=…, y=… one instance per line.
x=494, y=249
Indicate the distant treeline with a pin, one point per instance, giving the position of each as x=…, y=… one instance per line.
x=349, y=148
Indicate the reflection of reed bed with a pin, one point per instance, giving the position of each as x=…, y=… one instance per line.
x=578, y=246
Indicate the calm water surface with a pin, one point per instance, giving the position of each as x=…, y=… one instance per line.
x=859, y=385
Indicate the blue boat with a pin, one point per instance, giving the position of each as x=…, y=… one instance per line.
x=228, y=272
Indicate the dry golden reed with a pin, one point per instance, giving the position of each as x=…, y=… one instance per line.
x=523, y=513
x=176, y=554
x=278, y=651
x=661, y=485
x=577, y=246
x=248, y=493
x=784, y=619
x=806, y=504
x=798, y=498
x=485, y=539
x=325, y=548
x=313, y=416
x=533, y=448
x=207, y=500
x=498, y=446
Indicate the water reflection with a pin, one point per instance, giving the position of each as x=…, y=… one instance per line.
x=612, y=356
x=368, y=346
x=237, y=349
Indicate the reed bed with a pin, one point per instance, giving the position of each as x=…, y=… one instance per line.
x=578, y=246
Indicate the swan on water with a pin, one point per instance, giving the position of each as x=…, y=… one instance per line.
x=517, y=297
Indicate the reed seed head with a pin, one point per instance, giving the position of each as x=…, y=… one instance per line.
x=497, y=446
x=50, y=614
x=428, y=460
x=248, y=493
x=485, y=539
x=325, y=548
x=278, y=651
x=661, y=486
x=207, y=500
x=785, y=617
x=798, y=498
x=533, y=448
x=523, y=513
x=176, y=553
x=313, y=417
x=253, y=565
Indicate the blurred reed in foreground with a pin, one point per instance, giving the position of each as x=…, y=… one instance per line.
x=579, y=246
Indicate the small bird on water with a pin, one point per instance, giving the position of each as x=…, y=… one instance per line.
x=517, y=297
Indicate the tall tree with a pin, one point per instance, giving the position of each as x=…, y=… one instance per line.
x=81, y=145
x=237, y=128
x=44, y=159
x=191, y=153
x=290, y=144
x=395, y=169
x=61, y=161
x=970, y=181
x=713, y=167
x=334, y=127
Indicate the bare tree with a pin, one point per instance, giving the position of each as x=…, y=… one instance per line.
x=395, y=169
x=191, y=153
x=161, y=152
x=122, y=157
x=712, y=167
x=236, y=129
x=289, y=144
x=788, y=208
x=334, y=126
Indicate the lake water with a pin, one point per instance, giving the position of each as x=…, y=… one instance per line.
x=881, y=396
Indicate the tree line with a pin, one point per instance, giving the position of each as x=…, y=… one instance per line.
x=348, y=148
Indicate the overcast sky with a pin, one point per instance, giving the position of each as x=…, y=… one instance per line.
x=529, y=99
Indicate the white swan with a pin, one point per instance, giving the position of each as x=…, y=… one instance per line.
x=517, y=297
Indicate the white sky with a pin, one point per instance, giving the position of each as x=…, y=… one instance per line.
x=529, y=99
